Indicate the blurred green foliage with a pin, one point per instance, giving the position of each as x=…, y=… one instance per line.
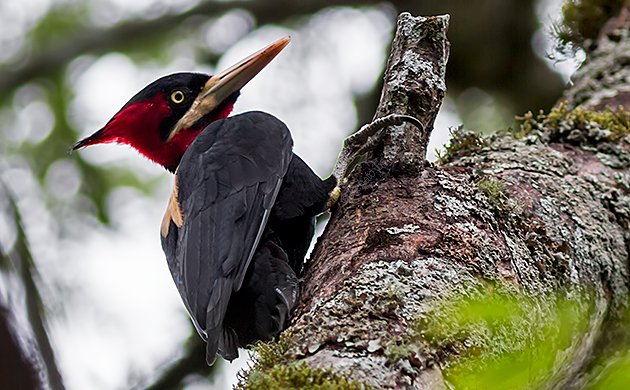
x=510, y=340
x=61, y=21
x=504, y=339
x=615, y=374
x=610, y=368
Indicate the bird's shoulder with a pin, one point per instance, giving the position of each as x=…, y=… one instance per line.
x=243, y=149
x=254, y=129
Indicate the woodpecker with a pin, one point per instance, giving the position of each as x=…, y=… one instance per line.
x=242, y=211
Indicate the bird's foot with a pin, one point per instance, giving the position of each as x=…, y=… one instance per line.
x=364, y=140
x=333, y=197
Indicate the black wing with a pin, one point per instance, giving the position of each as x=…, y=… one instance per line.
x=227, y=182
x=303, y=193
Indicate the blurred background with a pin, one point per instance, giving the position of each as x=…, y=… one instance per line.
x=82, y=274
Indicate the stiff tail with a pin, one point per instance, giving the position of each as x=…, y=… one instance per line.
x=215, y=314
x=258, y=311
x=261, y=308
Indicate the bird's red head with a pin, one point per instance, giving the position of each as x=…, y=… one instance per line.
x=146, y=121
x=165, y=117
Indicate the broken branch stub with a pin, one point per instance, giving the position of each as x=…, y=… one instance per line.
x=414, y=84
x=413, y=88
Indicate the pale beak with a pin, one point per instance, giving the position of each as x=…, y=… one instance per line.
x=222, y=85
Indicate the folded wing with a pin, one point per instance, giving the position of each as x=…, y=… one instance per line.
x=226, y=185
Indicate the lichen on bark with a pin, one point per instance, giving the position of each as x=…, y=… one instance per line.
x=528, y=229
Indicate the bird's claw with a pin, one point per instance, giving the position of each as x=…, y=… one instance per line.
x=333, y=197
x=365, y=139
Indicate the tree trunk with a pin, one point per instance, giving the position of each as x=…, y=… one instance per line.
x=427, y=275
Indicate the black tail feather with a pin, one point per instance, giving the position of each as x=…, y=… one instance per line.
x=260, y=309
x=228, y=344
x=215, y=315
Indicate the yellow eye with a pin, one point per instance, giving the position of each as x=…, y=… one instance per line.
x=177, y=97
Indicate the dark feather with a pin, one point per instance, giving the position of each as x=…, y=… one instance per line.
x=303, y=192
x=228, y=181
x=260, y=310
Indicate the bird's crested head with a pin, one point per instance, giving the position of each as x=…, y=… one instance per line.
x=164, y=118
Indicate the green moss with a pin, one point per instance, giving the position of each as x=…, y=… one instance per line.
x=272, y=353
x=299, y=376
x=274, y=370
x=582, y=20
x=494, y=190
x=462, y=142
x=578, y=125
x=403, y=347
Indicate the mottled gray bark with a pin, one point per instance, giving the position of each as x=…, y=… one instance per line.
x=535, y=216
x=603, y=80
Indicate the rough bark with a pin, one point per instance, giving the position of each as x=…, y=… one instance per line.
x=602, y=81
x=537, y=216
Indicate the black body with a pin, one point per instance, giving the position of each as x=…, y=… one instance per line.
x=249, y=206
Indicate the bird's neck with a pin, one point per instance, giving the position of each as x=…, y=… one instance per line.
x=169, y=154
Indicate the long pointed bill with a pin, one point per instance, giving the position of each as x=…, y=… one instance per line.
x=87, y=141
x=222, y=85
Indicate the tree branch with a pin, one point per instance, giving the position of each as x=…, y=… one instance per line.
x=539, y=222
x=414, y=84
x=51, y=60
x=414, y=87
